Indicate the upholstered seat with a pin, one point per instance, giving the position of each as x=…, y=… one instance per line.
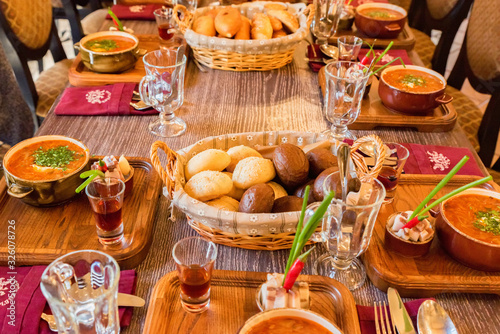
x=424, y=47
x=50, y=84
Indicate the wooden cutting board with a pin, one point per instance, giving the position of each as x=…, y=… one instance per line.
x=374, y=114
x=232, y=302
x=405, y=40
x=435, y=272
x=44, y=234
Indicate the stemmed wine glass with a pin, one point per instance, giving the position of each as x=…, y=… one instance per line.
x=163, y=89
x=326, y=19
x=345, y=86
x=347, y=229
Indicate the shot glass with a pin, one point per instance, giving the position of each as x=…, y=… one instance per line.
x=170, y=38
x=106, y=199
x=349, y=47
x=195, y=259
x=392, y=168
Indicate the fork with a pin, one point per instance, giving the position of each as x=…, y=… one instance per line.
x=382, y=321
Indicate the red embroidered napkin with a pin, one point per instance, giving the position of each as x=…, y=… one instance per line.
x=110, y=100
x=433, y=159
x=29, y=301
x=313, y=51
x=366, y=315
x=135, y=12
x=389, y=56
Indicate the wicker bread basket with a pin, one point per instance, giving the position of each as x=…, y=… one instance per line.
x=245, y=55
x=264, y=231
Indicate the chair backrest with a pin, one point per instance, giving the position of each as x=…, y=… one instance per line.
x=27, y=33
x=443, y=15
x=479, y=62
x=16, y=120
x=67, y=9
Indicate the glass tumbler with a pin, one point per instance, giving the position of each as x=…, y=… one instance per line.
x=170, y=38
x=345, y=86
x=163, y=89
x=392, y=168
x=326, y=19
x=349, y=47
x=347, y=230
x=81, y=289
x=195, y=259
x=106, y=199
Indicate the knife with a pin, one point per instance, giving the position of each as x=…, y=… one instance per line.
x=130, y=300
x=399, y=315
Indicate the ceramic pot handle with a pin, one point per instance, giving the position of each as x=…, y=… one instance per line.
x=17, y=191
x=393, y=27
x=77, y=46
x=444, y=99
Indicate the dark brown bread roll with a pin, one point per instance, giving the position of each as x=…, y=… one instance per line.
x=257, y=199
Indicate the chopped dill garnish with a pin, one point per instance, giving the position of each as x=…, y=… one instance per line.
x=57, y=157
x=411, y=80
x=488, y=221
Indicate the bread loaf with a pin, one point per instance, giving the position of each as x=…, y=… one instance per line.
x=204, y=25
x=261, y=27
x=228, y=21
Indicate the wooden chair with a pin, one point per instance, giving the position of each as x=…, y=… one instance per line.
x=27, y=33
x=443, y=15
x=479, y=62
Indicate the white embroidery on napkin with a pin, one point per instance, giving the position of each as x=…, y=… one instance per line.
x=438, y=160
x=386, y=58
x=98, y=96
x=4, y=289
x=137, y=9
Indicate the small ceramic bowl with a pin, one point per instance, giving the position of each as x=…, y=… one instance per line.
x=288, y=312
x=379, y=28
x=406, y=248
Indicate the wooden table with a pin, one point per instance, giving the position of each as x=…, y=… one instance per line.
x=219, y=102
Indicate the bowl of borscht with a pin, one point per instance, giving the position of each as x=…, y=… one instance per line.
x=412, y=89
x=45, y=170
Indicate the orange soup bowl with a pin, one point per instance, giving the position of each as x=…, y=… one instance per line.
x=380, y=20
x=281, y=317
x=412, y=90
x=458, y=236
x=44, y=186
x=109, y=51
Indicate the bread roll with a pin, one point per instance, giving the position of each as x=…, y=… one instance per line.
x=277, y=6
x=213, y=12
x=275, y=23
x=261, y=27
x=204, y=25
x=288, y=19
x=253, y=170
x=225, y=203
x=279, y=33
x=211, y=159
x=208, y=185
x=228, y=21
x=257, y=199
x=244, y=32
x=287, y=204
x=235, y=192
x=238, y=153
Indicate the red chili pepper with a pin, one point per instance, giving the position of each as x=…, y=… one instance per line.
x=412, y=223
x=295, y=270
x=102, y=166
x=365, y=60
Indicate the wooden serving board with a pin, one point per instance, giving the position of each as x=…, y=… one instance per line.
x=435, y=272
x=79, y=75
x=374, y=114
x=405, y=40
x=44, y=234
x=233, y=302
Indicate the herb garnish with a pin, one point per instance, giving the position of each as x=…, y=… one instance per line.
x=488, y=221
x=376, y=14
x=413, y=80
x=57, y=157
x=103, y=44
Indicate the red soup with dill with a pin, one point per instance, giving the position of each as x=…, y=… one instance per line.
x=109, y=44
x=288, y=325
x=385, y=14
x=478, y=216
x=413, y=81
x=46, y=160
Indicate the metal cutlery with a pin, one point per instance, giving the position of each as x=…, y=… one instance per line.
x=400, y=317
x=382, y=322
x=432, y=318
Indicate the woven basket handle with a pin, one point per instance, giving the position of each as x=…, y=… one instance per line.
x=187, y=16
x=311, y=10
x=360, y=162
x=167, y=175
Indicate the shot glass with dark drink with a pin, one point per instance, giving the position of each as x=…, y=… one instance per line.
x=167, y=29
x=195, y=259
x=106, y=199
x=392, y=169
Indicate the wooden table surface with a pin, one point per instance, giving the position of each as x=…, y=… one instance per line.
x=220, y=102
